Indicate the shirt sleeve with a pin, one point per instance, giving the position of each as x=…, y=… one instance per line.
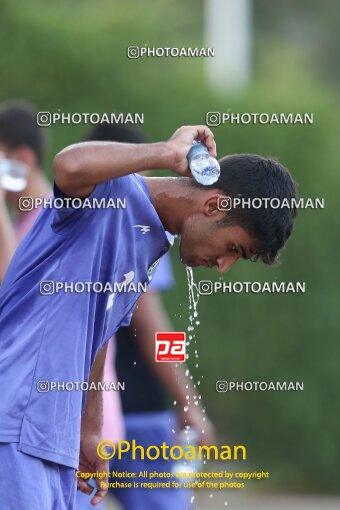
x=67, y=211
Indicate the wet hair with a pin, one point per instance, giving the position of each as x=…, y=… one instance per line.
x=249, y=176
x=18, y=126
x=107, y=132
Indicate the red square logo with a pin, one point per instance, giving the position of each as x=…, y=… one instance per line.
x=170, y=347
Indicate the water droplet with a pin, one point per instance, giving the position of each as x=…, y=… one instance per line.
x=193, y=297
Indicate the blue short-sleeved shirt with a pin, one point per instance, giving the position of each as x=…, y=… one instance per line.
x=56, y=337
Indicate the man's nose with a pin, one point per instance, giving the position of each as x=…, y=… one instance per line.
x=225, y=263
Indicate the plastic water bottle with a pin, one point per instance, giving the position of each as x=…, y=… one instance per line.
x=13, y=175
x=187, y=437
x=204, y=168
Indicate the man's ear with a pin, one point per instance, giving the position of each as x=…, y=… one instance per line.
x=212, y=206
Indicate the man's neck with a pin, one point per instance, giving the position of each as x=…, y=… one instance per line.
x=173, y=199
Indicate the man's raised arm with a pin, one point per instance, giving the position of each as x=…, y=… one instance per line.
x=78, y=168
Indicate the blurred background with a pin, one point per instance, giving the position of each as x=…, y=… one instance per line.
x=72, y=56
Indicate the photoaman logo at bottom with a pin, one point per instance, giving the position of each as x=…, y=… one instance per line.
x=106, y=450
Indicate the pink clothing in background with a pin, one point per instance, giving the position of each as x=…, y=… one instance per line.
x=24, y=222
x=113, y=427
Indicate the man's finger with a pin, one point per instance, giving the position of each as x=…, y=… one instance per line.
x=99, y=496
x=212, y=148
x=84, y=487
x=205, y=135
x=101, y=490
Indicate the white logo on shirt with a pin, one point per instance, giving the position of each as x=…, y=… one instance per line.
x=143, y=228
x=128, y=277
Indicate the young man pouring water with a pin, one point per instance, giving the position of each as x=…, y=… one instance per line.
x=49, y=336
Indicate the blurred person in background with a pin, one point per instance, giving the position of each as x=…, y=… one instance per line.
x=148, y=384
x=23, y=141
x=7, y=236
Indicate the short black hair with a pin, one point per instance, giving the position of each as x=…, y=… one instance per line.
x=18, y=126
x=250, y=176
x=107, y=132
